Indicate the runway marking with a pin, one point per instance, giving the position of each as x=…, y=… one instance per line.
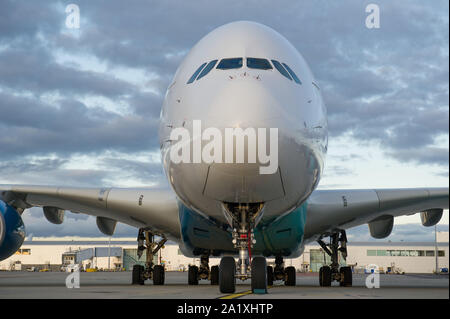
x=239, y=294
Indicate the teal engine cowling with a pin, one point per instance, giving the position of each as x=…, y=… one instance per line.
x=12, y=231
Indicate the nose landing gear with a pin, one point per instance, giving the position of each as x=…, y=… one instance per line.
x=327, y=274
x=243, y=218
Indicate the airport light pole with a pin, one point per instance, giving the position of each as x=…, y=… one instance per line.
x=109, y=253
x=436, y=249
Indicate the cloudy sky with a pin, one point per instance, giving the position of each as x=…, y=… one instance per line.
x=80, y=107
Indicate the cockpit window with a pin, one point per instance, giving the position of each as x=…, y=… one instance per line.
x=256, y=63
x=207, y=68
x=233, y=63
x=281, y=69
x=294, y=76
x=192, y=79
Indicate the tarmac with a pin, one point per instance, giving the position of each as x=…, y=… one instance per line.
x=117, y=285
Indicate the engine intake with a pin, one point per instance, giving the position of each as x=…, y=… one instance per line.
x=12, y=231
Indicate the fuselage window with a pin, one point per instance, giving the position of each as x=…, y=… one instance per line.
x=256, y=63
x=294, y=76
x=281, y=69
x=233, y=63
x=192, y=79
x=207, y=68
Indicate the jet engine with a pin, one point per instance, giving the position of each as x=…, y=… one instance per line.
x=381, y=227
x=12, y=231
x=431, y=217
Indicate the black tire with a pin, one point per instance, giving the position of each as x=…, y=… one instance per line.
x=138, y=275
x=193, y=275
x=227, y=275
x=290, y=276
x=214, y=275
x=346, y=277
x=158, y=275
x=269, y=276
x=320, y=276
x=325, y=276
x=259, y=275
x=341, y=281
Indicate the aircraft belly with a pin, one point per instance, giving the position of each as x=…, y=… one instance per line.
x=226, y=186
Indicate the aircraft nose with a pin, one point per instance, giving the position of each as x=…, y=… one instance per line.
x=242, y=104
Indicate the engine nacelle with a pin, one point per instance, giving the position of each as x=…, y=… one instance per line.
x=54, y=215
x=381, y=227
x=106, y=225
x=12, y=231
x=431, y=217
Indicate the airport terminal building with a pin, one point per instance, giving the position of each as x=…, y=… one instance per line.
x=55, y=254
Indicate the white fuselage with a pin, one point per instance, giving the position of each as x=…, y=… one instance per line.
x=247, y=98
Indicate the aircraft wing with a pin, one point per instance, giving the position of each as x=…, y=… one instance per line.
x=154, y=208
x=331, y=210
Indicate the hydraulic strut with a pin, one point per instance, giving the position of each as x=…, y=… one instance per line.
x=243, y=240
x=338, y=243
x=146, y=241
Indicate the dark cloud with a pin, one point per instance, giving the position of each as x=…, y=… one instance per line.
x=28, y=126
x=146, y=104
x=145, y=172
x=429, y=155
x=443, y=174
x=51, y=172
x=21, y=21
x=39, y=73
x=388, y=85
x=57, y=172
x=337, y=171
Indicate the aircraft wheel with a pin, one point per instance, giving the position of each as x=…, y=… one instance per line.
x=137, y=275
x=346, y=276
x=325, y=276
x=158, y=275
x=214, y=275
x=290, y=276
x=259, y=275
x=193, y=275
x=227, y=275
x=269, y=275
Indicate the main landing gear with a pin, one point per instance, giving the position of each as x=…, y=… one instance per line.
x=287, y=274
x=243, y=218
x=327, y=274
x=146, y=241
x=203, y=272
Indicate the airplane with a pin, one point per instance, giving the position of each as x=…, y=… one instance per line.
x=242, y=75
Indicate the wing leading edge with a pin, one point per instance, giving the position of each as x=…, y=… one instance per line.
x=154, y=208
